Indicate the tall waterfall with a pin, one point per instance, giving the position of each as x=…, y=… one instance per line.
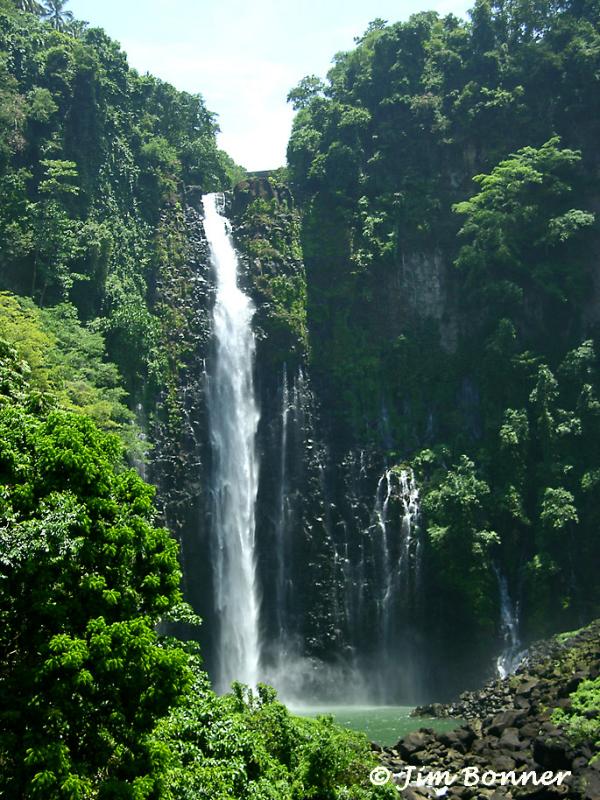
x=233, y=417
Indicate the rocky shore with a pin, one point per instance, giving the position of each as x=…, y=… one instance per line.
x=512, y=731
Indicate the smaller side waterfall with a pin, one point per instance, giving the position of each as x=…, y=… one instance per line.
x=511, y=655
x=382, y=501
x=400, y=548
x=411, y=550
x=281, y=523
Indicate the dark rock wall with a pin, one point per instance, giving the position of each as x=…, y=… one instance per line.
x=321, y=558
x=180, y=458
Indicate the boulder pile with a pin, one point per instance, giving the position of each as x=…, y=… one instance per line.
x=509, y=732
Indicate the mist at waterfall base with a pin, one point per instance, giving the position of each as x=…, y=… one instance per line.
x=377, y=574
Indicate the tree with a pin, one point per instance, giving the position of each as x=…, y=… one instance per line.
x=309, y=87
x=520, y=229
x=30, y=6
x=84, y=579
x=57, y=15
x=457, y=511
x=58, y=234
x=77, y=28
x=377, y=24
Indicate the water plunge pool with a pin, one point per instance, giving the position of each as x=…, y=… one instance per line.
x=382, y=724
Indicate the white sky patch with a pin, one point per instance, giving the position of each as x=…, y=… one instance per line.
x=250, y=97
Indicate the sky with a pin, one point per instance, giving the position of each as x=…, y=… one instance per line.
x=244, y=56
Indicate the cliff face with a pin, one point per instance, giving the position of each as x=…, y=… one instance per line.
x=541, y=718
x=418, y=288
x=448, y=205
x=309, y=526
x=180, y=457
x=342, y=554
x=360, y=376
x=427, y=361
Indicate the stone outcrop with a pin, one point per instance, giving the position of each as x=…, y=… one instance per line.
x=258, y=187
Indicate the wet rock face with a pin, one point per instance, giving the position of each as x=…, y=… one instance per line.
x=417, y=287
x=511, y=697
x=180, y=459
x=320, y=549
x=520, y=738
x=255, y=188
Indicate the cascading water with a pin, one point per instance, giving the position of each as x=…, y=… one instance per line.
x=511, y=655
x=382, y=501
x=400, y=579
x=281, y=527
x=411, y=550
x=397, y=559
x=233, y=417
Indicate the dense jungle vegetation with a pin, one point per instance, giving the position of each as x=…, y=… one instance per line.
x=93, y=159
x=435, y=141
x=460, y=160
x=94, y=703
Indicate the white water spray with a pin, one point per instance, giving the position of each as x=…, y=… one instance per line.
x=281, y=527
x=511, y=656
x=410, y=525
x=382, y=501
x=400, y=573
x=233, y=416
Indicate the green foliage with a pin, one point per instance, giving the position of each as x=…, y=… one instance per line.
x=68, y=361
x=518, y=226
x=91, y=157
x=459, y=530
x=30, y=6
x=435, y=142
x=288, y=298
x=57, y=15
x=301, y=95
x=247, y=744
x=269, y=233
x=581, y=721
x=84, y=578
x=227, y=166
x=558, y=509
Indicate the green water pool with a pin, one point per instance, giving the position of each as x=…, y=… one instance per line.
x=382, y=724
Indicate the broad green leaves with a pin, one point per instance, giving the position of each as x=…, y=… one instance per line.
x=84, y=578
x=518, y=224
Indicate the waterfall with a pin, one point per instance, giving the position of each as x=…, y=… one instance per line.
x=233, y=419
x=382, y=501
x=281, y=526
x=510, y=657
x=400, y=555
x=139, y=456
x=410, y=553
